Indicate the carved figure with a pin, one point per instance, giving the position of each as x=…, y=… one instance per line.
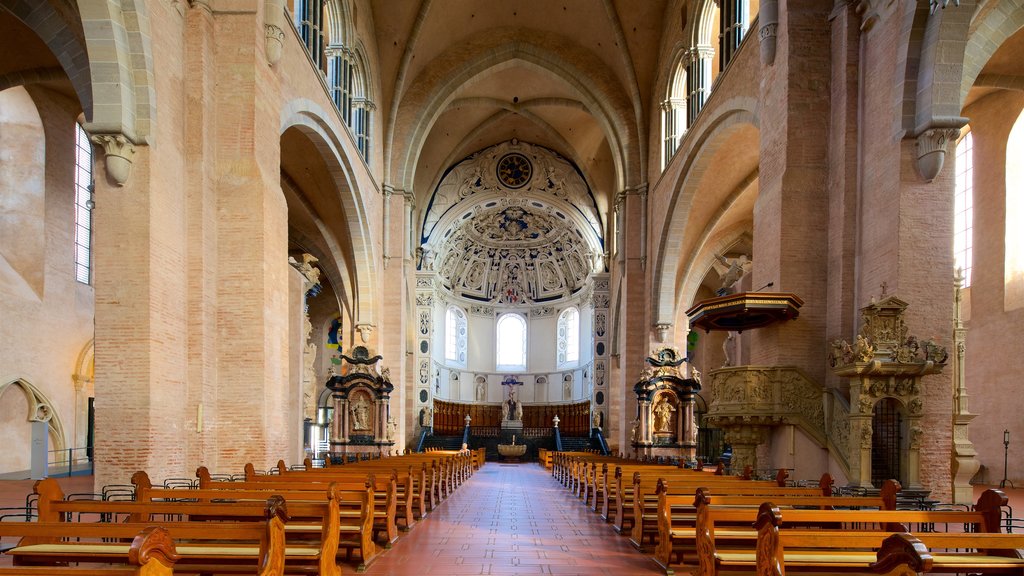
x=634, y=432
x=727, y=348
x=863, y=350
x=360, y=411
x=735, y=269
x=426, y=417
x=663, y=415
x=427, y=263
x=481, y=389
x=598, y=419
x=567, y=386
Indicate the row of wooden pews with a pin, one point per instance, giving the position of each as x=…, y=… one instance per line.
x=707, y=523
x=305, y=521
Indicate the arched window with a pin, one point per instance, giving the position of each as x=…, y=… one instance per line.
x=963, y=207
x=673, y=111
x=348, y=76
x=1013, y=272
x=511, y=350
x=455, y=336
x=83, y=206
x=569, y=337
x=361, y=107
x=309, y=21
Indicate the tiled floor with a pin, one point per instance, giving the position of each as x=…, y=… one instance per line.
x=513, y=519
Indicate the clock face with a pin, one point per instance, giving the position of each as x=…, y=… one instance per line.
x=514, y=170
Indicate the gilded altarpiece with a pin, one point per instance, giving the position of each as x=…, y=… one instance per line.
x=885, y=362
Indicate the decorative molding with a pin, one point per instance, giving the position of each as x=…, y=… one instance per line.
x=480, y=310
x=119, y=154
x=364, y=331
x=542, y=312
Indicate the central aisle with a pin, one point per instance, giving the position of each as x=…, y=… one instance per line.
x=513, y=519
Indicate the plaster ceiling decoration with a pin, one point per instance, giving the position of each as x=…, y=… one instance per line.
x=490, y=242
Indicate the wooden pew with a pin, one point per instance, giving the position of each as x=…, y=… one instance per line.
x=384, y=486
x=847, y=549
x=151, y=553
x=248, y=536
x=405, y=485
x=644, y=481
x=646, y=501
x=358, y=514
x=678, y=514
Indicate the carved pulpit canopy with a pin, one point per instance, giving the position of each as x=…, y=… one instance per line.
x=360, y=369
x=884, y=345
x=663, y=371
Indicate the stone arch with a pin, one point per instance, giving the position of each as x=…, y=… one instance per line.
x=62, y=33
x=696, y=162
x=120, y=66
x=86, y=363
x=436, y=85
x=1000, y=21
x=340, y=25
x=40, y=408
x=22, y=195
x=703, y=19
x=309, y=118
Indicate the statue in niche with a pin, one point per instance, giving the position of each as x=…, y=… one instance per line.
x=481, y=389
x=663, y=415
x=567, y=386
x=360, y=412
x=426, y=417
x=598, y=419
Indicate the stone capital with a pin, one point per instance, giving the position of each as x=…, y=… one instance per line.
x=274, y=40
x=932, y=144
x=119, y=153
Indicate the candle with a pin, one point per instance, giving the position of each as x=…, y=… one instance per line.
x=1006, y=436
x=513, y=439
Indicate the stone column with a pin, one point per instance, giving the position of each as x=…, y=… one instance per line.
x=634, y=331
x=395, y=309
x=965, y=457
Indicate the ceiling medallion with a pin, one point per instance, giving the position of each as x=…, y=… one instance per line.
x=514, y=170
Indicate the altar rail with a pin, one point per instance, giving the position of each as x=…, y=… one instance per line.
x=450, y=417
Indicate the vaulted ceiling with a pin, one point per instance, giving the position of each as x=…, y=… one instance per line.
x=574, y=76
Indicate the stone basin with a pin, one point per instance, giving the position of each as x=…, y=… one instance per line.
x=512, y=450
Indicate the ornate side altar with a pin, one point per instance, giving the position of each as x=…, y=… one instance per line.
x=665, y=423
x=885, y=367
x=361, y=397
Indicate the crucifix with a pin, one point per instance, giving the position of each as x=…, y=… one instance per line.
x=512, y=408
